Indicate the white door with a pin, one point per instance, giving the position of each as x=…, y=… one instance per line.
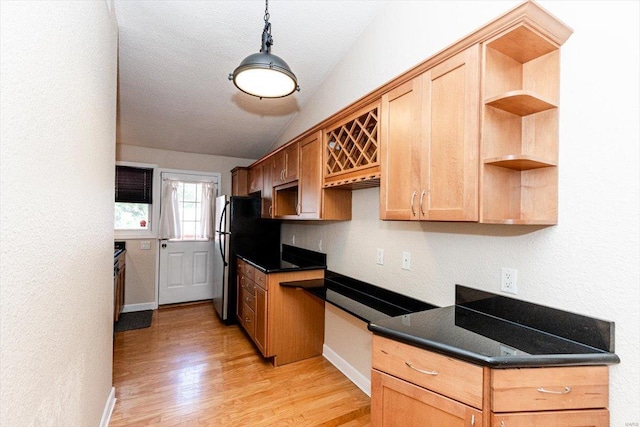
x=186, y=263
x=185, y=271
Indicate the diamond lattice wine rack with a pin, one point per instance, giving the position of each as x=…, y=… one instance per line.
x=352, y=151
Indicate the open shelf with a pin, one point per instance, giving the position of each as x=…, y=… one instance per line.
x=519, y=173
x=519, y=162
x=520, y=102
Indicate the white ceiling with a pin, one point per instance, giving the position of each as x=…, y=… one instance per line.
x=175, y=58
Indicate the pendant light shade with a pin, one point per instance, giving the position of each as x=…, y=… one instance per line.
x=263, y=74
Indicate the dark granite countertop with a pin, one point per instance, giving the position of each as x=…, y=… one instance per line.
x=501, y=332
x=362, y=300
x=290, y=259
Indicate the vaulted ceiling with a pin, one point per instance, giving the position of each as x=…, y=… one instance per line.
x=175, y=58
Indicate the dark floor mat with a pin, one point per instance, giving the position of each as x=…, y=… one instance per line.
x=133, y=320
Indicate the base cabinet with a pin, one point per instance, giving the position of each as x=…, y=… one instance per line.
x=397, y=403
x=286, y=324
x=118, y=282
x=586, y=418
x=411, y=386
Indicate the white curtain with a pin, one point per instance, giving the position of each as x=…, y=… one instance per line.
x=170, y=227
x=208, y=214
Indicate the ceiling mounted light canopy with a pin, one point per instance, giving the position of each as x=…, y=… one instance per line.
x=263, y=74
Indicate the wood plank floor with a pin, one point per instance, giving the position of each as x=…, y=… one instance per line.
x=189, y=369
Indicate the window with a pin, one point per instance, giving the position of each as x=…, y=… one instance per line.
x=133, y=198
x=190, y=208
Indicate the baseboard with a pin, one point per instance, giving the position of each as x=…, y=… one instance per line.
x=139, y=307
x=362, y=382
x=108, y=408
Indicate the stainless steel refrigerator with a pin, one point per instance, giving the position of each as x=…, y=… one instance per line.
x=239, y=230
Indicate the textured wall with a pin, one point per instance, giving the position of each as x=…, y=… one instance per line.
x=589, y=262
x=57, y=156
x=141, y=264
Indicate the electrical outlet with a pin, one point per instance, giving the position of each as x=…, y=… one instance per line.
x=406, y=261
x=145, y=245
x=509, y=280
x=380, y=257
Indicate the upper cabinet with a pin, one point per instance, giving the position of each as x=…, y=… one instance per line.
x=351, y=150
x=286, y=165
x=255, y=178
x=305, y=198
x=239, y=181
x=470, y=134
x=519, y=165
x=429, y=139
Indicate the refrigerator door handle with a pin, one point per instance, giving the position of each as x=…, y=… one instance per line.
x=223, y=235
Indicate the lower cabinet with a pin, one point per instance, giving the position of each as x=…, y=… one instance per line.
x=411, y=386
x=395, y=402
x=118, y=285
x=285, y=323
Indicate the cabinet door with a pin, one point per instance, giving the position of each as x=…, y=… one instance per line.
x=400, y=150
x=395, y=402
x=586, y=418
x=255, y=178
x=261, y=319
x=291, y=157
x=450, y=139
x=239, y=303
x=267, y=188
x=310, y=177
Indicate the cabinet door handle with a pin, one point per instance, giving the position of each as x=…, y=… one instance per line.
x=413, y=196
x=566, y=390
x=422, y=197
x=473, y=420
x=246, y=319
x=298, y=209
x=422, y=371
x=271, y=210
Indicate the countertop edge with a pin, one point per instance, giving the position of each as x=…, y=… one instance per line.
x=529, y=361
x=269, y=270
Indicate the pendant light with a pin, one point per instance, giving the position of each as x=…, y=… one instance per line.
x=263, y=74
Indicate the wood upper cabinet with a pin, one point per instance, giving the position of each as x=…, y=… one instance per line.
x=430, y=143
x=239, y=181
x=519, y=167
x=310, y=179
x=255, y=178
x=267, y=187
x=305, y=198
x=286, y=165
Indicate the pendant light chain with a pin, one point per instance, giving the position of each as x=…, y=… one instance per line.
x=266, y=12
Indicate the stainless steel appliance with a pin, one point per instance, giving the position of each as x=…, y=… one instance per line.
x=239, y=230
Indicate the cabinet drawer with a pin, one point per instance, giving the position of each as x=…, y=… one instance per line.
x=540, y=389
x=249, y=270
x=249, y=299
x=248, y=320
x=587, y=418
x=453, y=378
x=261, y=279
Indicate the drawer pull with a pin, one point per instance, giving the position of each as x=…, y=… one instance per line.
x=566, y=390
x=422, y=371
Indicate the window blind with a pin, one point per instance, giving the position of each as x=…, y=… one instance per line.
x=134, y=185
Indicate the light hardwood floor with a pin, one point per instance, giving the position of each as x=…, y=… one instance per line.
x=189, y=369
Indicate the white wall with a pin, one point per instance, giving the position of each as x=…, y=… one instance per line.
x=588, y=263
x=58, y=62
